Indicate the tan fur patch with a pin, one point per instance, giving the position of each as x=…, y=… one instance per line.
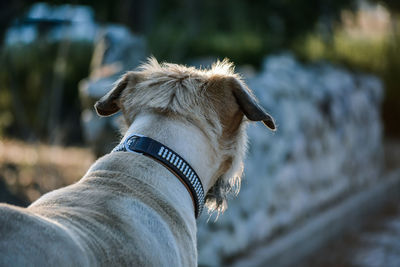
x=219, y=92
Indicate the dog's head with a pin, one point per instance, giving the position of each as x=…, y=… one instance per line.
x=216, y=101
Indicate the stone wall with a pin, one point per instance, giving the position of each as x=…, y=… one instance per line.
x=328, y=146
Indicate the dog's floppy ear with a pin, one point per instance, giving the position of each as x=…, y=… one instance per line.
x=109, y=104
x=248, y=104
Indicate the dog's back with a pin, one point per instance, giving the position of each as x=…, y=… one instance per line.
x=108, y=218
x=28, y=239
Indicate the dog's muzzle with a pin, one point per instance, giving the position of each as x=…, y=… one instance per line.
x=137, y=143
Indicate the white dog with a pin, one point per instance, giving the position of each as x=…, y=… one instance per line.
x=137, y=206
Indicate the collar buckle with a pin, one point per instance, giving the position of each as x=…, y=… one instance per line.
x=131, y=141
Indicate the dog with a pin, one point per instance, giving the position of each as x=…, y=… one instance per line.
x=137, y=206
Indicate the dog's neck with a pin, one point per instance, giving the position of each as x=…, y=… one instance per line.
x=184, y=138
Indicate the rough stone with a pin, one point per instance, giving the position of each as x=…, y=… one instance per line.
x=328, y=145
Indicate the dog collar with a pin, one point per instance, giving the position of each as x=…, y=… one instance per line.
x=136, y=143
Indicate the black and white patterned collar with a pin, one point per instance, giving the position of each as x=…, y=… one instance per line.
x=137, y=143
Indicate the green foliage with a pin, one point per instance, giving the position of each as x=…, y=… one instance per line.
x=243, y=47
x=29, y=74
x=6, y=116
x=243, y=31
x=380, y=56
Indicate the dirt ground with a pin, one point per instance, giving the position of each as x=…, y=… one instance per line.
x=375, y=243
x=29, y=170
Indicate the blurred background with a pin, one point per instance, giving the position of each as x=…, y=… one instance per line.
x=328, y=71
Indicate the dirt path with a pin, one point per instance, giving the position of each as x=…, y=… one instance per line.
x=376, y=243
x=29, y=170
